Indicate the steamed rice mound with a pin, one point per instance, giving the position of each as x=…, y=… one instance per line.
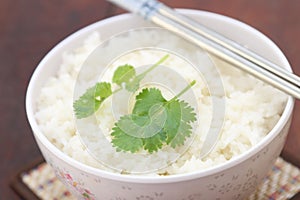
x=252, y=110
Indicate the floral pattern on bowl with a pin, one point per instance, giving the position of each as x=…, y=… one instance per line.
x=233, y=180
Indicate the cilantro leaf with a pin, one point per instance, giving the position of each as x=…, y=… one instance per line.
x=154, y=143
x=156, y=122
x=178, y=127
x=184, y=131
x=123, y=74
x=125, y=142
x=187, y=114
x=144, y=126
x=173, y=120
x=146, y=99
x=103, y=90
x=91, y=100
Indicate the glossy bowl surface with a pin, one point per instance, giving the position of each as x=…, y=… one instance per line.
x=235, y=179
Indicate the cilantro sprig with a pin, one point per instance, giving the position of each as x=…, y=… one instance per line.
x=154, y=121
x=91, y=100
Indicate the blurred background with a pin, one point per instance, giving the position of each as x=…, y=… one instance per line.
x=29, y=29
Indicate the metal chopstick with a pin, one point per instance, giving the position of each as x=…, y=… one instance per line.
x=227, y=43
x=215, y=43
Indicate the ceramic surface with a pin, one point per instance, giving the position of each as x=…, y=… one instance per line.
x=235, y=179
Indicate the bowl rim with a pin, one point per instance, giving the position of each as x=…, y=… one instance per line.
x=39, y=136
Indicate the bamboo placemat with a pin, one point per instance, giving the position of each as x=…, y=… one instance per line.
x=40, y=183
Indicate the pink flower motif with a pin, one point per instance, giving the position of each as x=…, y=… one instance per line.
x=86, y=194
x=68, y=177
x=87, y=191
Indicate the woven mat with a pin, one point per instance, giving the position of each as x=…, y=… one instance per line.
x=39, y=182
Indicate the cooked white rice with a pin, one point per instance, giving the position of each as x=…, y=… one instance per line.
x=251, y=109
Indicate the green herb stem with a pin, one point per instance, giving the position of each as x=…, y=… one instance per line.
x=85, y=105
x=117, y=90
x=161, y=108
x=184, y=90
x=142, y=75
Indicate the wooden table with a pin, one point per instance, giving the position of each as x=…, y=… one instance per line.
x=29, y=29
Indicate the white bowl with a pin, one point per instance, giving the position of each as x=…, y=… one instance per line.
x=235, y=179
